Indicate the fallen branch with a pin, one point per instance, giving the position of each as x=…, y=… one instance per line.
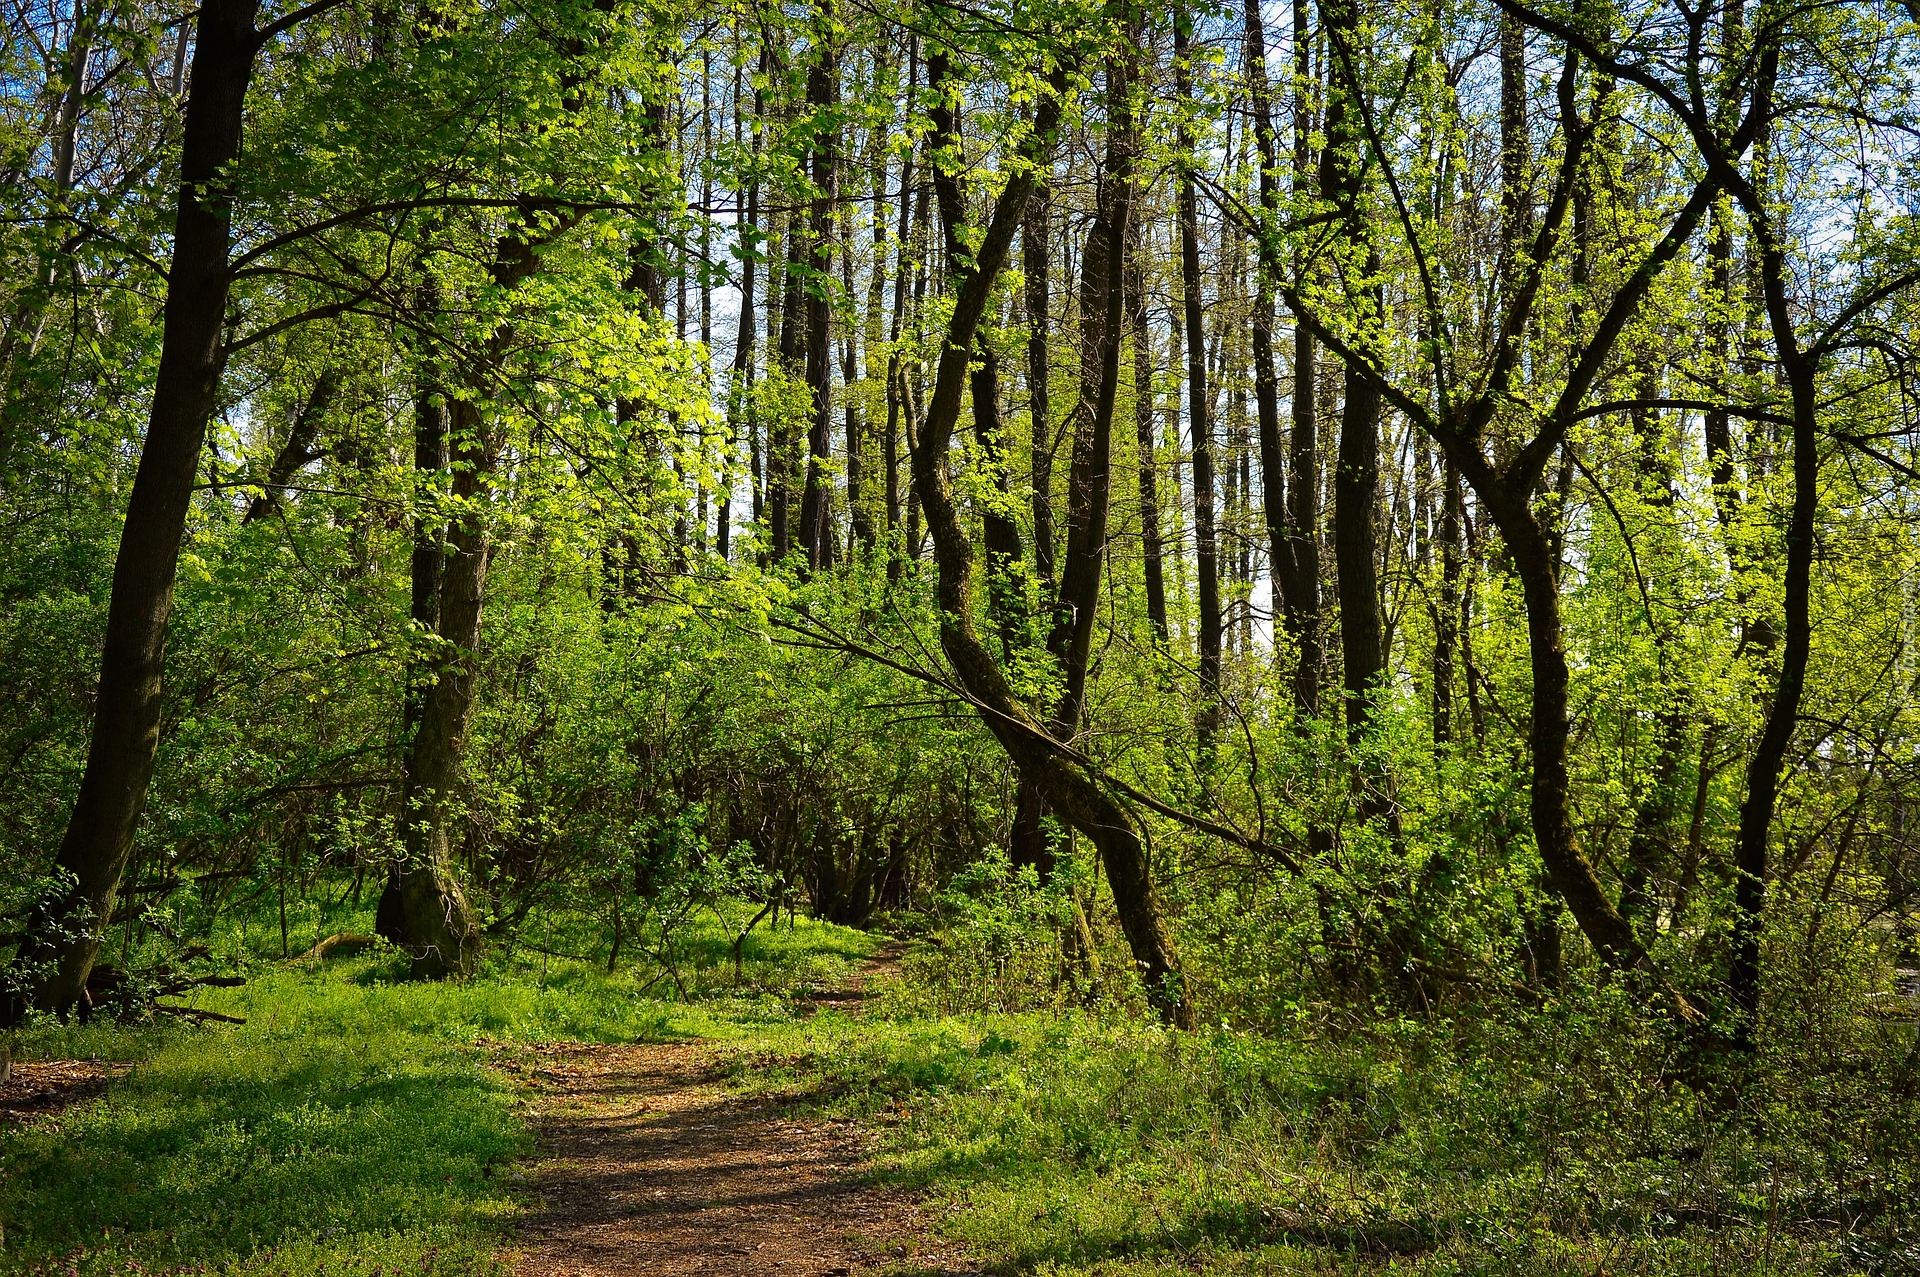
x=195, y=1013
x=338, y=940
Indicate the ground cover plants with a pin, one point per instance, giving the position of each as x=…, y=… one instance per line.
x=1258, y=635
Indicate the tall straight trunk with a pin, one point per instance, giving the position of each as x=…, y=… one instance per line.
x=779, y=439
x=1000, y=534
x=1356, y=492
x=1800, y=369
x=1446, y=616
x=1144, y=424
x=1301, y=602
x=861, y=529
x=706, y=296
x=1719, y=324
x=1199, y=400
x=1356, y=480
x=876, y=164
x=745, y=333
x=1089, y=470
x=63, y=935
x=1035, y=228
x=823, y=92
x=913, y=374
x=903, y=249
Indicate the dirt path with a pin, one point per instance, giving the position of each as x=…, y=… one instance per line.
x=650, y=1166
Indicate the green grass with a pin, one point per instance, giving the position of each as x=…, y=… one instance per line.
x=352, y=1127
x=1067, y=1144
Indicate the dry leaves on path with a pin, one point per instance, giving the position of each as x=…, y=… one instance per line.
x=37, y=1089
x=650, y=1166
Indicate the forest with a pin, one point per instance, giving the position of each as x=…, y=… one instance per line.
x=1242, y=637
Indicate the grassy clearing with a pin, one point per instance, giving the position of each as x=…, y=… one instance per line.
x=352, y=1127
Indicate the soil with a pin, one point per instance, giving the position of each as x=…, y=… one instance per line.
x=650, y=1165
x=36, y=1090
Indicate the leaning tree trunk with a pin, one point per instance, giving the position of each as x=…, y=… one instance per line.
x=1066, y=788
x=63, y=935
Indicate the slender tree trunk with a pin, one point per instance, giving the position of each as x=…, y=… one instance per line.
x=1144, y=425
x=740, y=392
x=1065, y=788
x=63, y=935
x=1034, y=232
x=1769, y=755
x=1446, y=619
x=779, y=440
x=823, y=85
x=1281, y=569
x=1302, y=599
x=1199, y=404
x=1001, y=535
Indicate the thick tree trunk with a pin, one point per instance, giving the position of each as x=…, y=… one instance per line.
x=1090, y=471
x=1356, y=479
x=63, y=935
x=1301, y=588
x=423, y=909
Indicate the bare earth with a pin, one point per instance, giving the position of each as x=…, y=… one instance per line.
x=650, y=1166
x=35, y=1090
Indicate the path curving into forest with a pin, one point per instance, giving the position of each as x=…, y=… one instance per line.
x=648, y=1164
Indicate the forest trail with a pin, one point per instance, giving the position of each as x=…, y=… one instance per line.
x=649, y=1165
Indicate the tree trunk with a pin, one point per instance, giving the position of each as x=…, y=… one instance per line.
x=1769, y=756
x=1568, y=871
x=823, y=85
x=1143, y=427
x=1034, y=230
x=423, y=909
x=1066, y=789
x=1199, y=405
x=63, y=935
x=1301, y=602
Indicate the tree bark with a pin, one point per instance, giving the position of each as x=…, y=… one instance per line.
x=1301, y=599
x=823, y=92
x=1143, y=427
x=63, y=935
x=1199, y=404
x=1067, y=790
